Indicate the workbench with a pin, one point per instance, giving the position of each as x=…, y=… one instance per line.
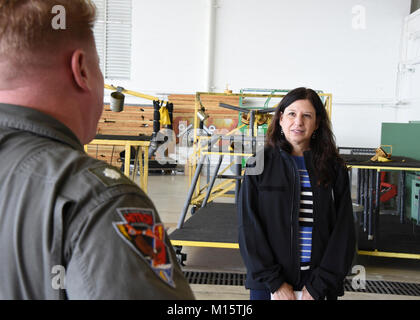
x=141, y=145
x=384, y=234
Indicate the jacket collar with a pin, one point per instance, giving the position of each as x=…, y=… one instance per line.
x=31, y=120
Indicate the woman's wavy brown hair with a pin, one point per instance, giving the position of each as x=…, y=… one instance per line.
x=324, y=151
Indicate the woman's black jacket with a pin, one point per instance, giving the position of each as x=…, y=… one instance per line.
x=268, y=210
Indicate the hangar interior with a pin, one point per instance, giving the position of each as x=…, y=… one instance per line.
x=183, y=77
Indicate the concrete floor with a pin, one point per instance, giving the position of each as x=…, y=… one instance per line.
x=168, y=192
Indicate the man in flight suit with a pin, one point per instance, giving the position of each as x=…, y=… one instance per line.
x=70, y=226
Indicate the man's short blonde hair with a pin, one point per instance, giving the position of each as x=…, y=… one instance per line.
x=26, y=26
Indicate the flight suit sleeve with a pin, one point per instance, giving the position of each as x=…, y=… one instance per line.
x=118, y=249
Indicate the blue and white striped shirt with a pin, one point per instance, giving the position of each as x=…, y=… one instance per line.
x=306, y=219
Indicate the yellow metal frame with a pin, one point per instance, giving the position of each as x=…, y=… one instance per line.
x=144, y=145
x=228, y=245
x=328, y=103
x=134, y=93
x=144, y=151
x=199, y=197
x=374, y=253
x=382, y=168
x=204, y=244
x=377, y=253
x=388, y=146
x=197, y=149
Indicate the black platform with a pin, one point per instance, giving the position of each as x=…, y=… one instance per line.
x=212, y=226
x=393, y=236
x=364, y=160
x=216, y=226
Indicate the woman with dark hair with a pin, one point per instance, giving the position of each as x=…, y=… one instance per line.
x=296, y=231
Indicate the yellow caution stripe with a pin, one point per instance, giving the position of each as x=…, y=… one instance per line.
x=377, y=253
x=205, y=244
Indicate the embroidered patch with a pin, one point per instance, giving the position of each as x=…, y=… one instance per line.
x=109, y=176
x=147, y=238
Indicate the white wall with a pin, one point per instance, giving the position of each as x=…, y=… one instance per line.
x=168, y=47
x=277, y=44
x=409, y=73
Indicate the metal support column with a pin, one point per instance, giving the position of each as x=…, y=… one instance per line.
x=350, y=178
x=401, y=198
x=191, y=191
x=418, y=209
x=372, y=182
x=359, y=187
x=237, y=167
x=251, y=122
x=377, y=209
x=211, y=183
x=365, y=198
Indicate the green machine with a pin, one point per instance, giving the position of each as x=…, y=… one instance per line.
x=405, y=142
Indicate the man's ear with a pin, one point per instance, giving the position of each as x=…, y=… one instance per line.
x=79, y=69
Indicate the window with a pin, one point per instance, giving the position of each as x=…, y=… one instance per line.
x=113, y=37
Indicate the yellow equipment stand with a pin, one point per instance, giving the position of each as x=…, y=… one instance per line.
x=211, y=233
x=128, y=142
x=372, y=212
x=214, y=225
x=197, y=150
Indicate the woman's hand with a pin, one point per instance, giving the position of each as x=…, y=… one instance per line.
x=285, y=292
x=306, y=295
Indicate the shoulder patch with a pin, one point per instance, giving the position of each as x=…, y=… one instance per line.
x=140, y=231
x=109, y=176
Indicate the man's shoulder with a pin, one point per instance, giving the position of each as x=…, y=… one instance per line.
x=58, y=162
x=102, y=176
x=87, y=173
x=96, y=182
